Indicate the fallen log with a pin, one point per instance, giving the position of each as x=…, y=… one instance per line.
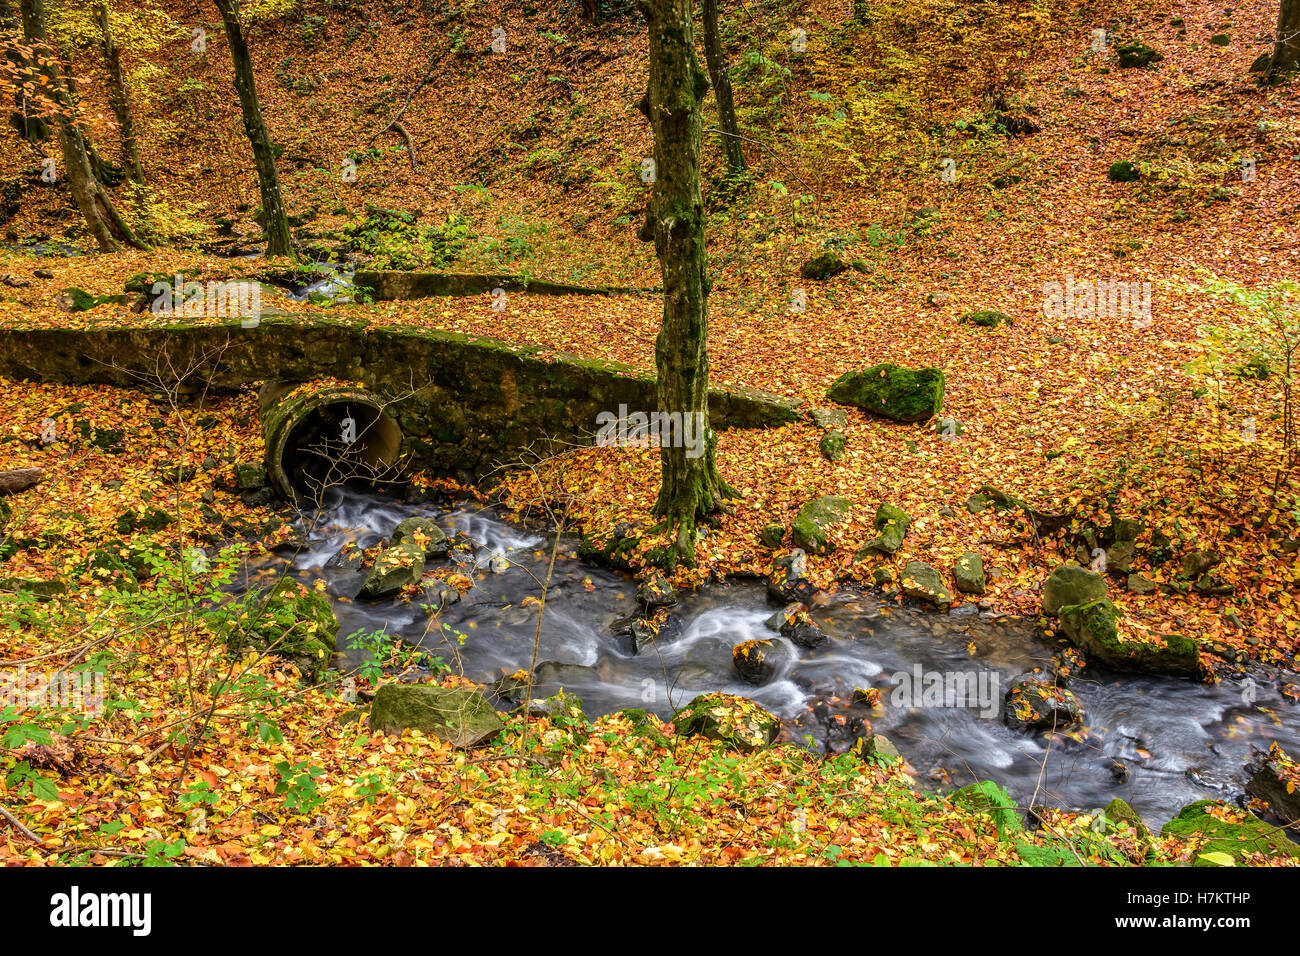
x=18, y=479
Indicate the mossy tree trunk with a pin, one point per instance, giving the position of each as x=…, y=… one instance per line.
x=274, y=217
x=119, y=98
x=1286, y=47
x=96, y=205
x=717, y=62
x=692, y=488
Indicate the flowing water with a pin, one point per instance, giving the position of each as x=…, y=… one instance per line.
x=1179, y=740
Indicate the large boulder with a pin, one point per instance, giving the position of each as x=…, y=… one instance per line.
x=289, y=620
x=395, y=569
x=1091, y=627
x=892, y=391
x=1225, y=834
x=458, y=715
x=1071, y=584
x=737, y=722
x=891, y=525
x=425, y=532
x=924, y=583
x=815, y=521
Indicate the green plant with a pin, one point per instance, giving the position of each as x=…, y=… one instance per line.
x=298, y=786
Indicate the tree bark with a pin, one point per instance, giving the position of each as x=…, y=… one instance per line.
x=692, y=487
x=275, y=218
x=1286, y=47
x=120, y=100
x=25, y=119
x=717, y=62
x=106, y=226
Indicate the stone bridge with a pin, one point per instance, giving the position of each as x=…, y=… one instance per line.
x=458, y=404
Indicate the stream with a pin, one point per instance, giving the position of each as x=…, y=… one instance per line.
x=1179, y=740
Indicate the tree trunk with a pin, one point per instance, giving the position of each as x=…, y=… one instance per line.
x=275, y=219
x=25, y=118
x=94, y=201
x=1286, y=47
x=692, y=488
x=717, y=61
x=119, y=100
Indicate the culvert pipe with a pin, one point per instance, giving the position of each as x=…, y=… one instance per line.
x=320, y=435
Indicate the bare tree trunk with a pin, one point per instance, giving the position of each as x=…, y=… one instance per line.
x=717, y=61
x=275, y=218
x=692, y=487
x=1286, y=46
x=120, y=100
x=94, y=201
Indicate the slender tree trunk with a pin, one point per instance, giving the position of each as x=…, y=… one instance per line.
x=96, y=205
x=275, y=219
x=25, y=118
x=119, y=99
x=717, y=61
x=1286, y=47
x=692, y=488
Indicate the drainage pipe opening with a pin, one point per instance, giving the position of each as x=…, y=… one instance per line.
x=325, y=436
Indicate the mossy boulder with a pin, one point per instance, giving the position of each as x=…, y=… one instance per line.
x=759, y=661
x=816, y=520
x=289, y=620
x=393, y=570
x=42, y=590
x=109, y=566
x=458, y=715
x=822, y=267
x=644, y=724
x=891, y=391
x=923, y=582
x=1119, y=812
x=1091, y=627
x=1220, y=828
x=832, y=445
x=1134, y=54
x=423, y=531
x=989, y=798
x=968, y=574
x=79, y=300
x=772, y=535
x=986, y=319
x=891, y=524
x=877, y=747
x=738, y=722
x=1071, y=584
x=1123, y=172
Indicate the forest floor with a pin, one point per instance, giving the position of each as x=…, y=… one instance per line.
x=1088, y=413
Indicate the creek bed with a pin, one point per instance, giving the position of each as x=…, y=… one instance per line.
x=1178, y=740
